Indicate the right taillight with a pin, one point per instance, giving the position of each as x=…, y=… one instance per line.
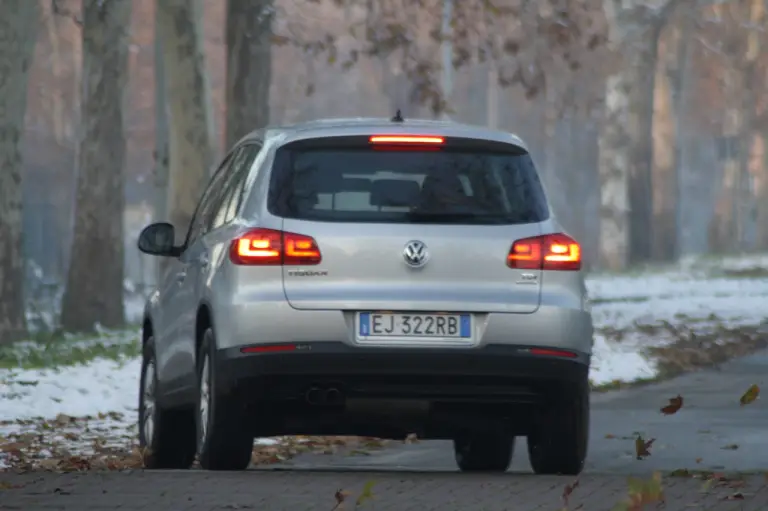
x=269, y=247
x=547, y=252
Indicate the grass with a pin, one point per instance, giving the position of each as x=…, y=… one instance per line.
x=620, y=385
x=57, y=350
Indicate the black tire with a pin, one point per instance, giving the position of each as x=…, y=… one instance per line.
x=484, y=452
x=171, y=442
x=224, y=442
x=559, y=442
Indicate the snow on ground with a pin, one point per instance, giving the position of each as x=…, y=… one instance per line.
x=699, y=294
x=631, y=313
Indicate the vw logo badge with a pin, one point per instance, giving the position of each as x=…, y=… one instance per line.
x=415, y=253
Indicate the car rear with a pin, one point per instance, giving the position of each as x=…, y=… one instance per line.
x=417, y=264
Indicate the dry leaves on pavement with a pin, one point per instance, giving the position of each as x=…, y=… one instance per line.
x=675, y=403
x=108, y=442
x=643, y=492
x=750, y=395
x=642, y=447
x=567, y=491
x=341, y=496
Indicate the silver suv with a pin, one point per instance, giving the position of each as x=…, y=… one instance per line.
x=369, y=277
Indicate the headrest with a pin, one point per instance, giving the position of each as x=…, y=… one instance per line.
x=443, y=184
x=394, y=193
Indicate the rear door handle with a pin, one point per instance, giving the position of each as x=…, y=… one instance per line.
x=204, y=261
x=181, y=276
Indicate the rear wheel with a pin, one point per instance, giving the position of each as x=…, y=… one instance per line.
x=559, y=441
x=484, y=452
x=166, y=436
x=224, y=441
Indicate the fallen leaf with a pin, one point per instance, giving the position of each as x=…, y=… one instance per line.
x=735, y=496
x=610, y=436
x=750, y=395
x=567, y=491
x=730, y=447
x=340, y=496
x=642, y=447
x=643, y=492
x=366, y=494
x=63, y=419
x=675, y=403
x=698, y=460
x=411, y=438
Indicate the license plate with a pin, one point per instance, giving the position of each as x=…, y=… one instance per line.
x=408, y=326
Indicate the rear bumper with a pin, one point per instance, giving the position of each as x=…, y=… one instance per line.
x=506, y=371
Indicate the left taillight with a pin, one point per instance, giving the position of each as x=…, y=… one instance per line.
x=557, y=252
x=270, y=247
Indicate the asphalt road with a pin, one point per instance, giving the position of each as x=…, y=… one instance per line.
x=712, y=432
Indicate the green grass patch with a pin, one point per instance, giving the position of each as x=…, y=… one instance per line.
x=56, y=350
x=620, y=385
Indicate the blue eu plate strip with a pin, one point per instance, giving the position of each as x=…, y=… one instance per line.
x=365, y=323
x=466, y=325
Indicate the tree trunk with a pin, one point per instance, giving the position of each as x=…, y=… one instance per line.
x=249, y=66
x=94, y=292
x=750, y=132
x=761, y=183
x=161, y=170
x=190, y=137
x=761, y=192
x=727, y=227
x=626, y=152
x=664, y=143
x=17, y=27
x=57, y=103
x=681, y=92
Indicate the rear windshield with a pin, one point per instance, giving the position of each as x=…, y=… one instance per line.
x=406, y=186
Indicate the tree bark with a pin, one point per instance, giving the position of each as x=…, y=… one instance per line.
x=17, y=42
x=94, y=292
x=190, y=137
x=161, y=170
x=626, y=152
x=734, y=204
x=249, y=66
x=665, y=194
x=681, y=92
x=761, y=186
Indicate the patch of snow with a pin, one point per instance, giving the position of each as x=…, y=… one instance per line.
x=612, y=363
x=101, y=386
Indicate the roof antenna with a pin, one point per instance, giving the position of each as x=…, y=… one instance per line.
x=398, y=117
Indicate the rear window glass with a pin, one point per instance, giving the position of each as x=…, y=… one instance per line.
x=442, y=186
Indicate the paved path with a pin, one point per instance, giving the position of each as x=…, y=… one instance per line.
x=422, y=476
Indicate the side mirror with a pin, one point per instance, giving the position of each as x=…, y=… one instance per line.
x=158, y=239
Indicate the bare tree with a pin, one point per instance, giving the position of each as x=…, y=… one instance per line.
x=94, y=292
x=626, y=142
x=191, y=140
x=17, y=40
x=249, y=65
x=740, y=122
